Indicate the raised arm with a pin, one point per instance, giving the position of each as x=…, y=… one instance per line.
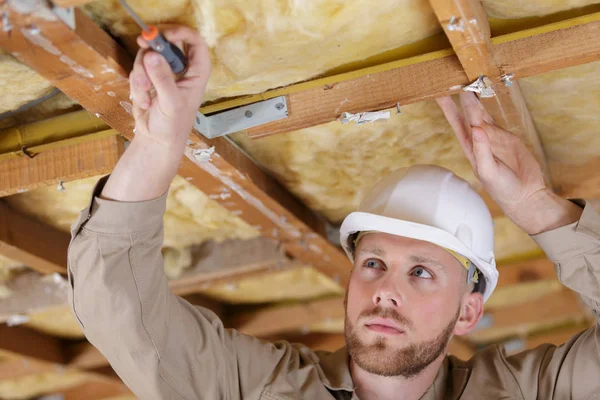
x=160, y=345
x=567, y=230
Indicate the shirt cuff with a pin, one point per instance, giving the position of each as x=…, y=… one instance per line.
x=108, y=216
x=573, y=239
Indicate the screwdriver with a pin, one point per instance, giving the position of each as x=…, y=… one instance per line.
x=157, y=42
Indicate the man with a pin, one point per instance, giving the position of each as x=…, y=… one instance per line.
x=423, y=266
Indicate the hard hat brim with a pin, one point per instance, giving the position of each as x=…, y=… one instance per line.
x=361, y=221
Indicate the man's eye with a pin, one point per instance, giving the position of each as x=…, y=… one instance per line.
x=372, y=264
x=421, y=272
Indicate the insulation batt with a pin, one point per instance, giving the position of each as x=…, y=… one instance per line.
x=261, y=44
x=191, y=217
x=19, y=84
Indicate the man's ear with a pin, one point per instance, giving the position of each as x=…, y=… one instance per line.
x=471, y=312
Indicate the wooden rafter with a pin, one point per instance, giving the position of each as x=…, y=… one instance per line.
x=278, y=319
x=31, y=242
x=63, y=164
x=96, y=77
x=466, y=25
x=526, y=53
x=549, y=310
x=25, y=352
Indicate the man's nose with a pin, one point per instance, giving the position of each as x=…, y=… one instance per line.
x=386, y=298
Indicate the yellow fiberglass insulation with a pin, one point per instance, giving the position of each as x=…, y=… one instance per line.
x=56, y=105
x=331, y=167
x=520, y=8
x=565, y=105
x=295, y=283
x=191, y=217
x=262, y=44
x=19, y=84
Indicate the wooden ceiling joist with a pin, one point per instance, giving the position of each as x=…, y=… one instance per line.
x=525, y=53
x=549, y=310
x=62, y=164
x=96, y=76
x=278, y=319
x=35, y=244
x=466, y=26
x=25, y=352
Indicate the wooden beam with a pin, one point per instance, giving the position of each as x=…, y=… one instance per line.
x=466, y=26
x=31, y=242
x=64, y=164
x=96, y=76
x=25, y=342
x=550, y=310
x=526, y=53
x=98, y=389
x=526, y=271
x=274, y=320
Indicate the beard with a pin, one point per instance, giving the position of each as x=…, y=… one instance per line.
x=380, y=359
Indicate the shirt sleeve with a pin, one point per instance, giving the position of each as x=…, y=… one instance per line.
x=569, y=371
x=159, y=344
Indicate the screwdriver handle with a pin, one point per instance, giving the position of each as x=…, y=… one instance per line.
x=174, y=56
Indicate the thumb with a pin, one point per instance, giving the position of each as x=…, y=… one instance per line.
x=484, y=158
x=160, y=75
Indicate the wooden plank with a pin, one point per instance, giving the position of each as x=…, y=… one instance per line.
x=466, y=26
x=32, y=242
x=527, y=53
x=526, y=271
x=550, y=310
x=25, y=342
x=97, y=389
x=96, y=77
x=75, y=161
x=85, y=356
x=274, y=320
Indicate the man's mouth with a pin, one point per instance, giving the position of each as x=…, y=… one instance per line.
x=384, y=325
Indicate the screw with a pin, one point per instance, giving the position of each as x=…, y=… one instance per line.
x=248, y=114
x=279, y=106
x=34, y=30
x=506, y=78
x=197, y=120
x=455, y=24
x=60, y=186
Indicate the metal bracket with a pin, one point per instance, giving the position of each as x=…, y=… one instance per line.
x=66, y=14
x=238, y=119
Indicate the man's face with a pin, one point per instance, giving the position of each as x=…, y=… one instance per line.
x=403, y=302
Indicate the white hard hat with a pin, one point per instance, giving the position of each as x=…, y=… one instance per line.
x=429, y=203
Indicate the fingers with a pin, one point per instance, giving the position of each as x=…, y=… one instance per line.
x=458, y=124
x=142, y=43
x=199, y=65
x=161, y=76
x=139, y=83
x=475, y=114
x=486, y=166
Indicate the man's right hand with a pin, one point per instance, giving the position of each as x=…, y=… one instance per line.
x=164, y=107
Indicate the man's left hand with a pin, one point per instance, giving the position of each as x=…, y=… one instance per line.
x=506, y=168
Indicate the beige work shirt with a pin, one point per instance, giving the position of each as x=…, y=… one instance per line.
x=165, y=348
